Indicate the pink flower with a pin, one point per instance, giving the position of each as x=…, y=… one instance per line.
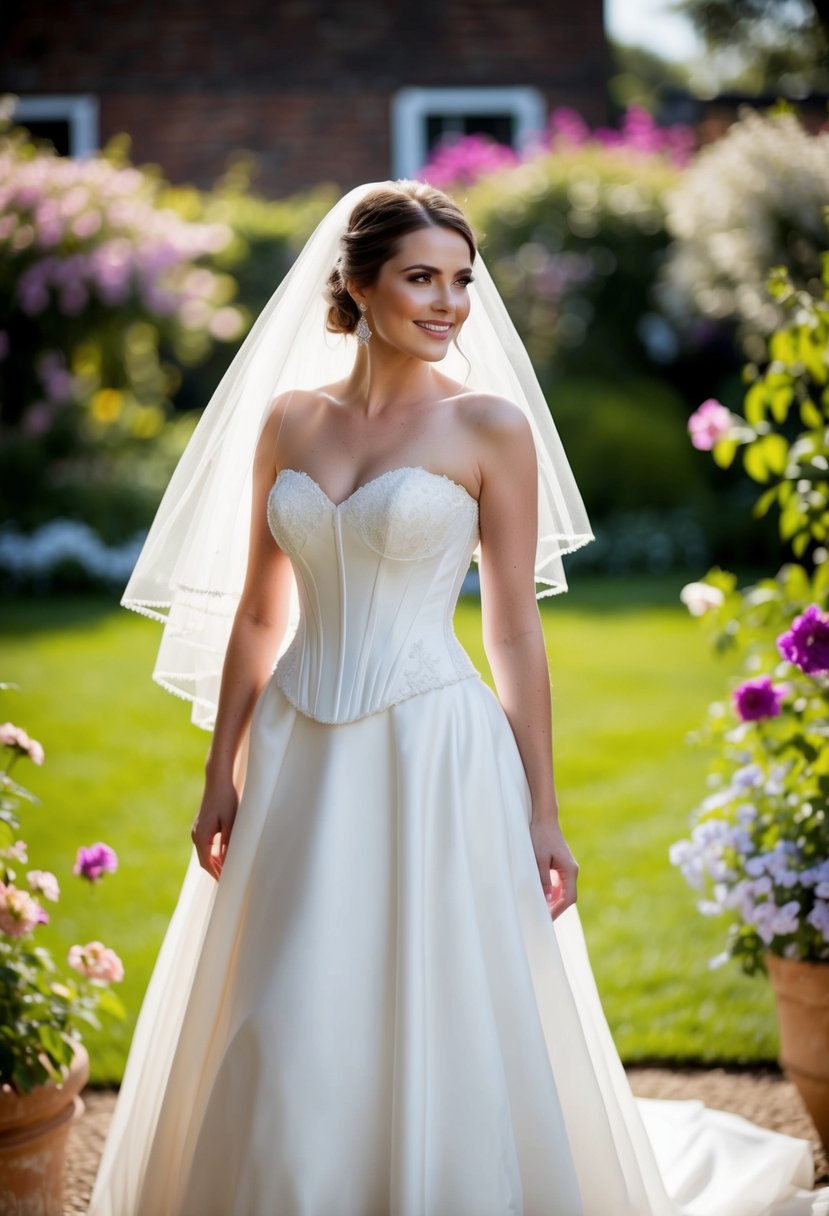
x=16, y=852
x=708, y=424
x=97, y=962
x=757, y=699
x=17, y=739
x=19, y=913
x=98, y=859
x=45, y=882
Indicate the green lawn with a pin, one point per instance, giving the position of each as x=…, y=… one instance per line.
x=631, y=675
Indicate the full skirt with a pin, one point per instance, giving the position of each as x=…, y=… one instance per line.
x=371, y=1013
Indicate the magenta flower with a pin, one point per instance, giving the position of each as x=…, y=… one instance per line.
x=757, y=699
x=95, y=861
x=806, y=643
x=462, y=161
x=708, y=424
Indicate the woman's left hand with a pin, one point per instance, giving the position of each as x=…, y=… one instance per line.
x=557, y=866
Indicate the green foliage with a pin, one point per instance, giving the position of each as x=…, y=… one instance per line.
x=42, y=1012
x=573, y=238
x=760, y=842
x=785, y=442
x=625, y=441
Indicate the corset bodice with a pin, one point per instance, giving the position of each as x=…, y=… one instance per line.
x=378, y=577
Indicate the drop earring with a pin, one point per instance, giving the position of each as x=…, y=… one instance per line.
x=362, y=331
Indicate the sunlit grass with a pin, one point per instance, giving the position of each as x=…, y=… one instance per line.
x=631, y=675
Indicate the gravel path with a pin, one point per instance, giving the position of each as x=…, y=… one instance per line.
x=762, y=1096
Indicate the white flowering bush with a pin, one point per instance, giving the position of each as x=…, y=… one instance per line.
x=43, y=1010
x=752, y=200
x=61, y=552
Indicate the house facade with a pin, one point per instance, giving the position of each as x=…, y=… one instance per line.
x=318, y=90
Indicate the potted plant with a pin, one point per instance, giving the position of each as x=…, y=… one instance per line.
x=43, y=1062
x=759, y=843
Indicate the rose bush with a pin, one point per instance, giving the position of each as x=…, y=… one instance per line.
x=43, y=1010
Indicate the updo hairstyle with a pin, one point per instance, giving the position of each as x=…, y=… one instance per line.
x=375, y=228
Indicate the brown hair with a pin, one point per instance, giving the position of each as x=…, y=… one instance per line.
x=375, y=228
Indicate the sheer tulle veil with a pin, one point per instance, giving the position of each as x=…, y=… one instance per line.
x=191, y=569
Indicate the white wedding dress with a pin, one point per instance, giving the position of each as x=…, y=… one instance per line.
x=372, y=1013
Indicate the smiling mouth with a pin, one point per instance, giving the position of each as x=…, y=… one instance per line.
x=435, y=327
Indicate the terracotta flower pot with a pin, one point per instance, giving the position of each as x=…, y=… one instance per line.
x=802, y=994
x=33, y=1133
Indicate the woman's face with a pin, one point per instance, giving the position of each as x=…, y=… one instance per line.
x=421, y=299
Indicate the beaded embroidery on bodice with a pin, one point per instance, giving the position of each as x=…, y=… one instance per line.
x=378, y=577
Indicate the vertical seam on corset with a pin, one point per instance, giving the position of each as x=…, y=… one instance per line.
x=368, y=636
x=316, y=613
x=338, y=545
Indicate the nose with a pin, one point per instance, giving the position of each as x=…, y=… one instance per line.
x=442, y=298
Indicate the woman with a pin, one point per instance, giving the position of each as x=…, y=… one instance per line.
x=363, y=1006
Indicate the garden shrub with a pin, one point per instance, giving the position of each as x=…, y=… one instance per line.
x=750, y=201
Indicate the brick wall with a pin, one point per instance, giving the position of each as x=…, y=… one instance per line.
x=306, y=84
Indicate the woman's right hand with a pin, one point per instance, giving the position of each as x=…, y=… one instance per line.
x=214, y=819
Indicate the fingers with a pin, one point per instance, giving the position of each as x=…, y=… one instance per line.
x=559, y=886
x=565, y=891
x=210, y=847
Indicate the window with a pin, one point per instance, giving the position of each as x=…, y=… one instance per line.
x=422, y=117
x=71, y=123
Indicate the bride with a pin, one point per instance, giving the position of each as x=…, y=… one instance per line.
x=373, y=997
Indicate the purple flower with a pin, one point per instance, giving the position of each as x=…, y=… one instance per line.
x=806, y=644
x=98, y=859
x=757, y=699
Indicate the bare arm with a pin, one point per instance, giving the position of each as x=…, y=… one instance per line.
x=512, y=633
x=258, y=627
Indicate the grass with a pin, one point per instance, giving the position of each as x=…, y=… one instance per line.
x=631, y=675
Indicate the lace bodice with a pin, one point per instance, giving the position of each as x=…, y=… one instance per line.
x=378, y=577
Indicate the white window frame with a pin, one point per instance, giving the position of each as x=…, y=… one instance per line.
x=80, y=111
x=410, y=107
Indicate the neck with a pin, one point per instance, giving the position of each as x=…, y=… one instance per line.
x=383, y=377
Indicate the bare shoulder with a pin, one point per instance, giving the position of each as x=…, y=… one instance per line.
x=291, y=411
x=495, y=421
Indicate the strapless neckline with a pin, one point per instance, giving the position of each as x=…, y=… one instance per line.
x=373, y=481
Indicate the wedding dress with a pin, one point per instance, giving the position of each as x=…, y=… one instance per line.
x=372, y=1013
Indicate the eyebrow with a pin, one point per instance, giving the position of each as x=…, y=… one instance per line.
x=434, y=269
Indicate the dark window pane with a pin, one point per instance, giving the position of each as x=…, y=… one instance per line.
x=56, y=130
x=500, y=127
